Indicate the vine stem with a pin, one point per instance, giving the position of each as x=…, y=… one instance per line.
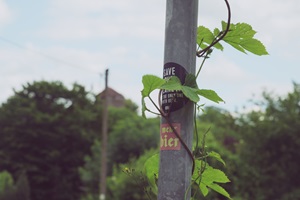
x=183, y=143
x=203, y=51
x=166, y=117
x=202, y=63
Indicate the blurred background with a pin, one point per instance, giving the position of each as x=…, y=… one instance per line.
x=53, y=55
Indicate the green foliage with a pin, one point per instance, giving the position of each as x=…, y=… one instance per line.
x=205, y=37
x=204, y=176
x=189, y=89
x=151, y=83
x=6, y=181
x=216, y=156
x=130, y=105
x=46, y=130
x=130, y=136
x=90, y=171
x=210, y=95
x=20, y=190
x=269, y=152
x=209, y=178
x=263, y=153
x=224, y=127
x=151, y=171
x=129, y=182
x=240, y=36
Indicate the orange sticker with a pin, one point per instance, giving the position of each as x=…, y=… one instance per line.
x=168, y=139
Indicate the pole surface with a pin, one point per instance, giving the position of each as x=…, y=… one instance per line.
x=179, y=59
x=103, y=172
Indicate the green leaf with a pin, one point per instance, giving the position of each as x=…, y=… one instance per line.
x=241, y=37
x=172, y=83
x=254, y=46
x=190, y=88
x=150, y=83
x=151, y=171
x=220, y=190
x=203, y=189
x=217, y=32
x=210, y=95
x=205, y=37
x=211, y=175
x=198, y=165
x=217, y=156
x=190, y=80
x=190, y=93
x=210, y=178
x=240, y=29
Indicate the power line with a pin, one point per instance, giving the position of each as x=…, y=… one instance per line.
x=49, y=57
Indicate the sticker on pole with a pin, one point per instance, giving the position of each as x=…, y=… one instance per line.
x=173, y=100
x=168, y=139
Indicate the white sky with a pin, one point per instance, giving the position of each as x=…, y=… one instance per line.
x=76, y=40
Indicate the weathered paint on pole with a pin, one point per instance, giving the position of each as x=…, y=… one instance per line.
x=179, y=59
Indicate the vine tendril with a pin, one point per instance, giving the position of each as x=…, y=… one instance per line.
x=223, y=33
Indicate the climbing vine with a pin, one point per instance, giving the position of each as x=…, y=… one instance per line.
x=241, y=37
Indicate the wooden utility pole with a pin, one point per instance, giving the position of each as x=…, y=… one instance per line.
x=179, y=59
x=104, y=141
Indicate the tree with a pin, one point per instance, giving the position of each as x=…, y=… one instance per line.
x=129, y=136
x=46, y=130
x=128, y=182
x=270, y=156
x=223, y=125
x=9, y=191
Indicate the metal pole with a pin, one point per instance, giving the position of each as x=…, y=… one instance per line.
x=104, y=142
x=179, y=59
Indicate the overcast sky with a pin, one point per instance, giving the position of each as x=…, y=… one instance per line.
x=76, y=40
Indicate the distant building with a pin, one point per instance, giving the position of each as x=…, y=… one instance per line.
x=114, y=98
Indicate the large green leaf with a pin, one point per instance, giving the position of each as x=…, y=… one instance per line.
x=172, y=83
x=210, y=95
x=151, y=171
x=210, y=178
x=216, y=156
x=211, y=175
x=189, y=89
x=151, y=83
x=203, y=189
x=190, y=93
x=254, y=46
x=205, y=37
x=241, y=37
x=220, y=190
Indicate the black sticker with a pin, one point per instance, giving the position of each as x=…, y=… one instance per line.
x=173, y=100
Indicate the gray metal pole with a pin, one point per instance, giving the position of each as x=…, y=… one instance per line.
x=179, y=59
x=103, y=171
